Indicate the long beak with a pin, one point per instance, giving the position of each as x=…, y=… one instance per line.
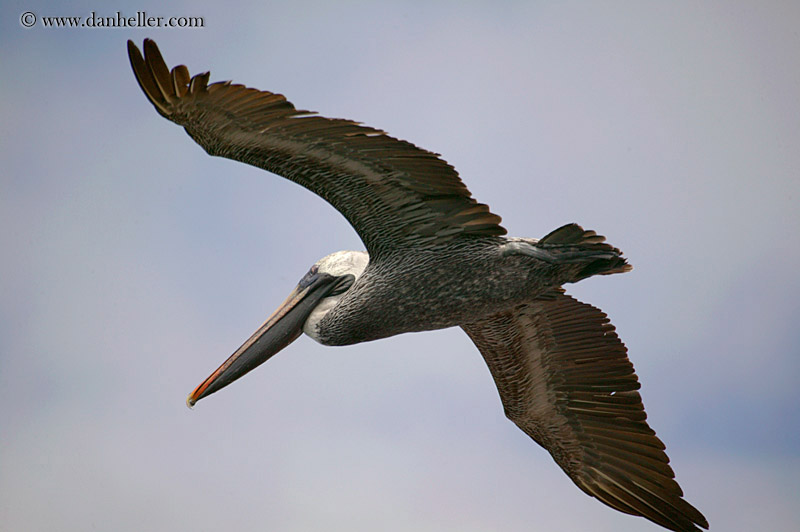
x=283, y=327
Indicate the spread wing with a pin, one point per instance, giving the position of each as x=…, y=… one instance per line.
x=394, y=194
x=565, y=379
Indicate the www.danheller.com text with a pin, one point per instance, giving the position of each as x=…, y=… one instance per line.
x=141, y=19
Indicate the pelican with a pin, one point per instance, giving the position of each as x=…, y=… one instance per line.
x=437, y=258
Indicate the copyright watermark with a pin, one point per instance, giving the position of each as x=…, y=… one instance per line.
x=141, y=19
x=28, y=19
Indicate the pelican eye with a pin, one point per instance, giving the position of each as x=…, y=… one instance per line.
x=309, y=277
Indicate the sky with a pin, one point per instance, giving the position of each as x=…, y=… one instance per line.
x=134, y=263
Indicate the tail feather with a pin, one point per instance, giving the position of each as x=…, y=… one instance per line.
x=571, y=244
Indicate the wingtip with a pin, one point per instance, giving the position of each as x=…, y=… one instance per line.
x=134, y=52
x=151, y=48
x=155, y=79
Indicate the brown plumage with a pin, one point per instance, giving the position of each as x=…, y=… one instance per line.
x=437, y=258
x=392, y=193
x=565, y=379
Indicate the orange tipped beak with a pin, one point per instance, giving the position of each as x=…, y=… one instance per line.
x=282, y=328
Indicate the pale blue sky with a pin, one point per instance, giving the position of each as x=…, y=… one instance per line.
x=133, y=264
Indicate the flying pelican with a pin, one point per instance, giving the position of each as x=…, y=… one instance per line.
x=437, y=258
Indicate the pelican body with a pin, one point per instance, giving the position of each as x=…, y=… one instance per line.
x=437, y=258
x=446, y=287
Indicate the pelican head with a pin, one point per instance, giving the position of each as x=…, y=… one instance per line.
x=314, y=296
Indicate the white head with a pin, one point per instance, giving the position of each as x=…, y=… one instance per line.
x=337, y=264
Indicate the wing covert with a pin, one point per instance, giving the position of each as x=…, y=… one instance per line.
x=565, y=379
x=393, y=193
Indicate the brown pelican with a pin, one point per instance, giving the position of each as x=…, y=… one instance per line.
x=437, y=258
